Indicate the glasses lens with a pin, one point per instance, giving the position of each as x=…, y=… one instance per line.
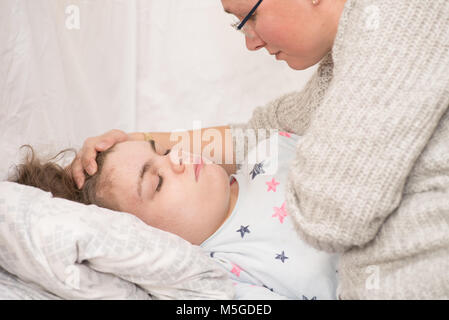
x=245, y=30
x=234, y=22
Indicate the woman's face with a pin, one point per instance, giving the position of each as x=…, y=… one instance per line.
x=295, y=30
x=177, y=202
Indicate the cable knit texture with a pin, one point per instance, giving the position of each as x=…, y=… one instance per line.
x=371, y=175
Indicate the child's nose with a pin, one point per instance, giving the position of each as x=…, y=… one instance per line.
x=181, y=158
x=177, y=162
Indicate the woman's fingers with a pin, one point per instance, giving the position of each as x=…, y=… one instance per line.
x=85, y=160
x=77, y=172
x=88, y=157
x=103, y=146
x=109, y=139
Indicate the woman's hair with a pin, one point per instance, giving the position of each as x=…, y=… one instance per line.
x=51, y=177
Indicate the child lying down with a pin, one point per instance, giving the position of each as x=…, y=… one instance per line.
x=240, y=220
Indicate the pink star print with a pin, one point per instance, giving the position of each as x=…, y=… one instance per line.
x=285, y=134
x=280, y=212
x=236, y=270
x=272, y=185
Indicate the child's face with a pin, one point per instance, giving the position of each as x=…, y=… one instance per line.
x=192, y=209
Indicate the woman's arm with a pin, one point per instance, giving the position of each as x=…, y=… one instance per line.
x=219, y=148
x=275, y=115
x=214, y=143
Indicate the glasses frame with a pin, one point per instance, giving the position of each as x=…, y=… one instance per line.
x=249, y=15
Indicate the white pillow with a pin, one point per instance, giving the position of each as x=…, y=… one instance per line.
x=77, y=251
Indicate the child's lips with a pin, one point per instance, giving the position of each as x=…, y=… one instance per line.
x=198, y=166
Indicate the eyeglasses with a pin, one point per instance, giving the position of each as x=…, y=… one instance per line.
x=241, y=25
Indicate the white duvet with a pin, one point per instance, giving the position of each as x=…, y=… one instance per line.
x=53, y=248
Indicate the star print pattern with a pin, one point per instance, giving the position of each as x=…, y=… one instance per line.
x=258, y=169
x=281, y=257
x=236, y=270
x=260, y=223
x=272, y=185
x=243, y=230
x=285, y=134
x=281, y=213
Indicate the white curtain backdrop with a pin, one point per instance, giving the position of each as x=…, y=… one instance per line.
x=73, y=69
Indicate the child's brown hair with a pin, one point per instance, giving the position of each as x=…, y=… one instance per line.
x=51, y=177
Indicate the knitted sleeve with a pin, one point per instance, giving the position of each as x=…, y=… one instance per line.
x=389, y=91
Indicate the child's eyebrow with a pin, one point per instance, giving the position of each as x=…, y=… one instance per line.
x=145, y=168
x=153, y=146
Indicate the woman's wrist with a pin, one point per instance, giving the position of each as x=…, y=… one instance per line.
x=136, y=136
x=147, y=136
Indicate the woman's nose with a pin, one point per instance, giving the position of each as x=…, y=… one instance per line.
x=254, y=42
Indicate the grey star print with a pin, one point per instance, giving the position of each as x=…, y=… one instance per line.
x=258, y=168
x=243, y=230
x=281, y=256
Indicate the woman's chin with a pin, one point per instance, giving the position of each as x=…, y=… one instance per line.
x=297, y=63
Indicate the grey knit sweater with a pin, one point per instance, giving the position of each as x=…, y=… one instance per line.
x=371, y=174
